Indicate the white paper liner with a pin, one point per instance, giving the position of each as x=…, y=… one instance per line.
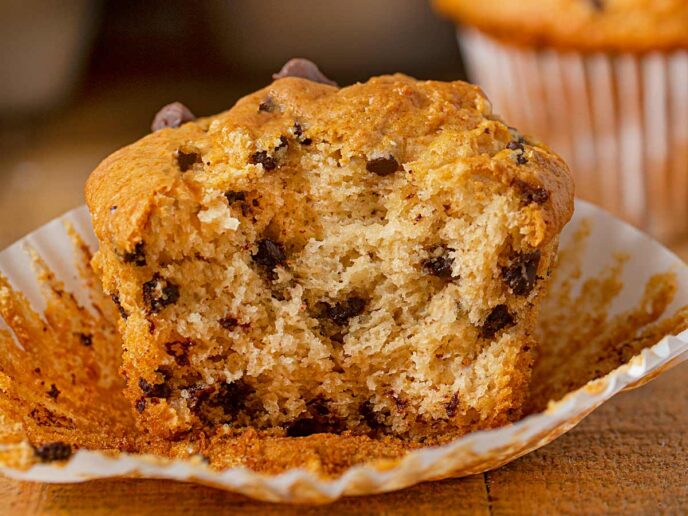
x=619, y=120
x=474, y=453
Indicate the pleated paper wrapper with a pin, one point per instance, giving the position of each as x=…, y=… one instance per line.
x=619, y=120
x=595, y=245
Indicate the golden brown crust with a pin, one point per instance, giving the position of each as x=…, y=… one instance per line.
x=123, y=189
x=584, y=25
x=365, y=118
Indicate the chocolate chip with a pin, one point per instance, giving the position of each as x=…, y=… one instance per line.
x=531, y=193
x=228, y=323
x=521, y=274
x=232, y=397
x=304, y=69
x=233, y=197
x=179, y=349
x=382, y=166
x=186, y=160
x=54, y=392
x=137, y=256
x=319, y=407
x=598, y=5
x=283, y=143
x=198, y=394
x=440, y=266
x=304, y=427
x=53, y=451
x=159, y=293
x=516, y=145
x=86, y=339
x=267, y=106
x=373, y=419
x=270, y=254
x=498, y=319
x=319, y=420
x=342, y=311
x=140, y=405
x=172, y=115
x=262, y=158
x=452, y=405
x=298, y=132
x=122, y=312
x=159, y=390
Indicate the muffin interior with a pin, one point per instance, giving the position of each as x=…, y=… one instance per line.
x=318, y=291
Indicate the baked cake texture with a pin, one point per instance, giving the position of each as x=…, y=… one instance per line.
x=363, y=260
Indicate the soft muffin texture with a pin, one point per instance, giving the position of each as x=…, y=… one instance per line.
x=366, y=259
x=587, y=25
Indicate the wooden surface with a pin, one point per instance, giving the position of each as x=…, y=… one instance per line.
x=630, y=456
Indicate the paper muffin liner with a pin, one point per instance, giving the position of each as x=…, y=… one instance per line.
x=619, y=120
x=594, y=241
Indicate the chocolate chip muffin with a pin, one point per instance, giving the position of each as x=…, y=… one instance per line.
x=366, y=259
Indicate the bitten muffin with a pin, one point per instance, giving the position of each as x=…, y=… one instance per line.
x=366, y=259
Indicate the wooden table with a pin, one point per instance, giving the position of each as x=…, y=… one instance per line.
x=630, y=456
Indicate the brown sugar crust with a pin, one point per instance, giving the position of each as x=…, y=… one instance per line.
x=326, y=214
x=578, y=25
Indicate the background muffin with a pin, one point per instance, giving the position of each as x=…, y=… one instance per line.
x=604, y=80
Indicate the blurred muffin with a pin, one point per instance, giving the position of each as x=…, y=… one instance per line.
x=605, y=82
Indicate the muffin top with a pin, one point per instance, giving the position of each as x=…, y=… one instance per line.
x=583, y=25
x=368, y=119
